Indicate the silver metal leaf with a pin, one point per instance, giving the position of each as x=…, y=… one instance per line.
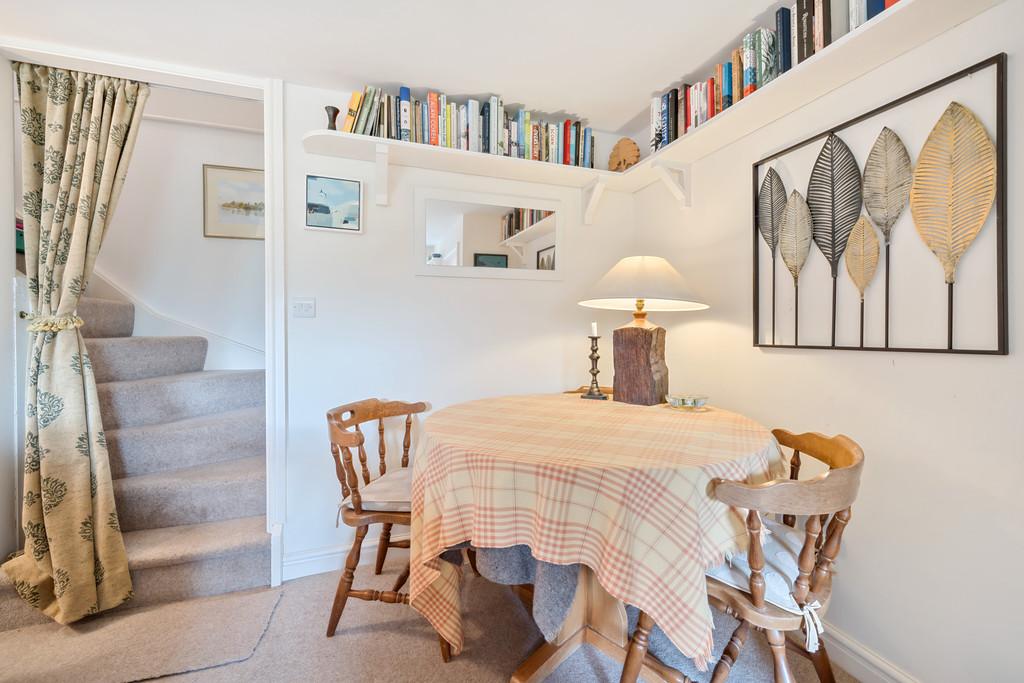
x=795, y=234
x=771, y=202
x=834, y=198
x=888, y=175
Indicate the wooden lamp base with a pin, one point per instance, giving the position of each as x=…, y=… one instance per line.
x=641, y=374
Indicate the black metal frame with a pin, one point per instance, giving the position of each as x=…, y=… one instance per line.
x=1002, y=348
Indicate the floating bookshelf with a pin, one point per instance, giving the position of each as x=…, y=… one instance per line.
x=518, y=241
x=899, y=29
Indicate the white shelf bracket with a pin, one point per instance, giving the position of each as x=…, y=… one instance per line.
x=519, y=249
x=592, y=193
x=677, y=178
x=381, y=178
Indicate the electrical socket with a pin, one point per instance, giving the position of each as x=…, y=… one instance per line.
x=303, y=307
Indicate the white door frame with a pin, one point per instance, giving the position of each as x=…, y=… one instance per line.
x=271, y=92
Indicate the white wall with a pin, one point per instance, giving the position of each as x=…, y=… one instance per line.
x=926, y=576
x=9, y=442
x=155, y=249
x=383, y=331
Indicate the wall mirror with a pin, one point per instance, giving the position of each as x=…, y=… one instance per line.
x=480, y=235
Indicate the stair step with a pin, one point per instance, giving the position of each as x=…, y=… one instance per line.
x=157, y=400
x=106, y=318
x=124, y=358
x=224, y=490
x=187, y=443
x=176, y=563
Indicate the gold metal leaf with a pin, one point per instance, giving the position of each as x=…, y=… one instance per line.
x=795, y=234
x=954, y=186
x=888, y=174
x=862, y=254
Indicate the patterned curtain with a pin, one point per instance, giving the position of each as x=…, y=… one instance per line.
x=77, y=135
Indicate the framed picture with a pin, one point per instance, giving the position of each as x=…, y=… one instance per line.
x=334, y=204
x=490, y=260
x=546, y=258
x=233, y=202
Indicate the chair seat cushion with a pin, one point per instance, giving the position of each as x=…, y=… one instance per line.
x=389, y=493
x=782, y=545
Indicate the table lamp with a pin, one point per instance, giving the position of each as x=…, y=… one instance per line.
x=641, y=284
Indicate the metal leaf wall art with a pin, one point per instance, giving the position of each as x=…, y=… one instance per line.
x=888, y=174
x=795, y=236
x=862, y=261
x=771, y=202
x=834, y=198
x=953, y=190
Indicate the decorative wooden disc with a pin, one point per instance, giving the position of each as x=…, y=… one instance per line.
x=624, y=154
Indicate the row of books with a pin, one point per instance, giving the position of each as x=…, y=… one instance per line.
x=801, y=30
x=517, y=220
x=472, y=125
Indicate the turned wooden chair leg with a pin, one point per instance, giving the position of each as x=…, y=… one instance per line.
x=471, y=554
x=637, y=649
x=402, y=578
x=345, y=583
x=382, y=548
x=777, y=641
x=822, y=665
x=446, y=649
x=731, y=653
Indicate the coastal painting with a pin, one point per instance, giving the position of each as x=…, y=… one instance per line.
x=233, y=202
x=334, y=204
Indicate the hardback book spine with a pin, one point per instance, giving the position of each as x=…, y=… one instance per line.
x=804, y=29
x=493, y=126
x=442, y=120
x=566, y=135
x=858, y=13
x=782, y=26
x=749, y=65
x=473, y=122
x=719, y=102
x=405, y=113
x=353, y=111
x=372, y=117
x=485, y=127
x=822, y=24
x=573, y=139
x=684, y=109
x=516, y=134
x=840, y=13
x=655, y=123
x=737, y=75
x=453, y=125
x=726, y=70
x=527, y=149
x=673, y=114
x=393, y=122
x=463, y=128
x=364, y=110
x=535, y=142
x=769, y=65
x=579, y=143
x=664, y=121
x=587, y=141
x=890, y=3
x=414, y=115
x=593, y=149
x=711, y=99
x=874, y=8
x=794, y=56
x=553, y=143
x=502, y=124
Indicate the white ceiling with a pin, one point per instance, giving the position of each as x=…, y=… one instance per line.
x=600, y=60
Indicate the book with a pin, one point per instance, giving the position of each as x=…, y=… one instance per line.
x=553, y=143
x=353, y=111
x=783, y=23
x=463, y=128
x=711, y=110
x=566, y=134
x=527, y=150
x=492, y=126
x=822, y=24
x=473, y=121
x=364, y=110
x=685, y=119
x=655, y=123
x=749, y=65
x=374, y=114
x=433, y=104
x=535, y=142
x=858, y=13
x=794, y=57
x=840, y=13
x=502, y=128
x=664, y=121
x=890, y=3
x=574, y=135
x=767, y=47
x=405, y=114
x=485, y=128
x=588, y=142
x=442, y=120
x=804, y=29
x=453, y=124
x=673, y=114
x=874, y=8
x=737, y=75
x=726, y=88
x=719, y=78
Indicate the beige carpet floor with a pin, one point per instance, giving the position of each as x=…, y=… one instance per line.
x=391, y=643
x=141, y=644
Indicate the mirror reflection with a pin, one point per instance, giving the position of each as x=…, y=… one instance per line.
x=489, y=236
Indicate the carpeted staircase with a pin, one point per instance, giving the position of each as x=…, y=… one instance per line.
x=187, y=455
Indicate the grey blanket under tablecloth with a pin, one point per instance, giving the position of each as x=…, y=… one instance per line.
x=554, y=587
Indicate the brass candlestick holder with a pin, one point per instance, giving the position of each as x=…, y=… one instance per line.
x=595, y=388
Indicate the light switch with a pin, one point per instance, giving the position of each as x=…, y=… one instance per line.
x=303, y=307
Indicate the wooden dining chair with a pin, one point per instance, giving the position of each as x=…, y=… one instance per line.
x=384, y=499
x=792, y=593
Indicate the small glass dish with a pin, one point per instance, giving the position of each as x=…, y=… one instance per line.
x=695, y=403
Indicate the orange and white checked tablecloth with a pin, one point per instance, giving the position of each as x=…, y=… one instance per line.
x=617, y=487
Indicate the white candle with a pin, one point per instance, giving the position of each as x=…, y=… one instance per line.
x=593, y=329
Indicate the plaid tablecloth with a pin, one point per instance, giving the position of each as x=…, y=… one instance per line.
x=617, y=487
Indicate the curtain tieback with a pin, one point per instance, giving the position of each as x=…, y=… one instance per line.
x=52, y=323
x=813, y=627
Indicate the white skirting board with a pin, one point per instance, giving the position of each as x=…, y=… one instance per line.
x=332, y=558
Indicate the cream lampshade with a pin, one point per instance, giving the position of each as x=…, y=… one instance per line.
x=641, y=284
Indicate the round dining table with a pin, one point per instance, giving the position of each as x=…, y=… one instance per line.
x=620, y=490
